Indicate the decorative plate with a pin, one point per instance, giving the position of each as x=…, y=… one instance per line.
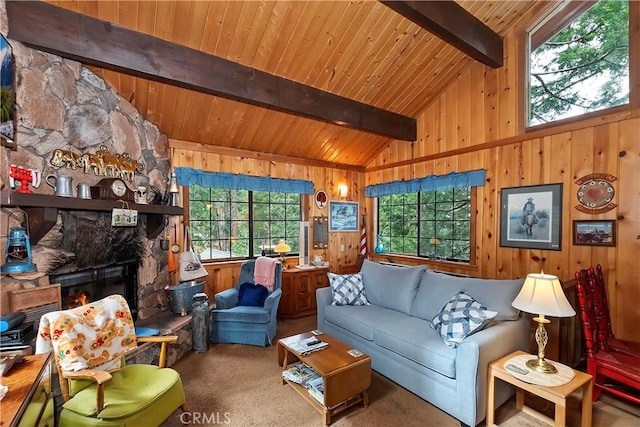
x=321, y=199
x=596, y=193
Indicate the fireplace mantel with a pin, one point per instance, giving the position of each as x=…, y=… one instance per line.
x=43, y=210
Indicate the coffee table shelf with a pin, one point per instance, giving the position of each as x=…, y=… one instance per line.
x=346, y=378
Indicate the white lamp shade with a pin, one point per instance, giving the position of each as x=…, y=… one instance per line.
x=543, y=294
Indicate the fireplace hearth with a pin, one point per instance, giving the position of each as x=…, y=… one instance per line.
x=85, y=286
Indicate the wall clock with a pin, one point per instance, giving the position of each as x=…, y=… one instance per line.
x=595, y=193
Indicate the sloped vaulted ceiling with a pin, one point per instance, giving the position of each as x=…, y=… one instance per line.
x=360, y=50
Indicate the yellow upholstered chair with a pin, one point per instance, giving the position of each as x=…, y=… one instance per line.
x=89, y=344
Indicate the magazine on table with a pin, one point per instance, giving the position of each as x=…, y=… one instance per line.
x=316, y=388
x=308, y=345
x=316, y=384
x=300, y=373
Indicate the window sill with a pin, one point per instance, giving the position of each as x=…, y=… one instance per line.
x=448, y=266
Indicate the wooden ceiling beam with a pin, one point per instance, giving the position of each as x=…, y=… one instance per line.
x=92, y=41
x=453, y=24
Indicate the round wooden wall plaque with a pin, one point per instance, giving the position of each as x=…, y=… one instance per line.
x=596, y=193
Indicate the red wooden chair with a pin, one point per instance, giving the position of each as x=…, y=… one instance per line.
x=608, y=358
x=609, y=341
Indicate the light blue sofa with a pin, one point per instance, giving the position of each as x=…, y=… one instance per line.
x=395, y=331
x=246, y=324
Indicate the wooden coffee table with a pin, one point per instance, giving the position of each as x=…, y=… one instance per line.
x=346, y=378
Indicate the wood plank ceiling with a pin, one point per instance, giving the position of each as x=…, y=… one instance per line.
x=360, y=50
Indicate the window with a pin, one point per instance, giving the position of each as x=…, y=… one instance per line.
x=241, y=224
x=579, y=60
x=434, y=224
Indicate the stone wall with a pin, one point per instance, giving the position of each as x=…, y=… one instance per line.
x=62, y=105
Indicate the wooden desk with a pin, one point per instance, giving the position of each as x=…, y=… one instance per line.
x=557, y=395
x=29, y=401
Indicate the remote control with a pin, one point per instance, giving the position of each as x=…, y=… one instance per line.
x=314, y=342
x=316, y=332
x=516, y=369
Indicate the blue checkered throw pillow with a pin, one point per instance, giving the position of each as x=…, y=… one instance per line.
x=461, y=317
x=347, y=289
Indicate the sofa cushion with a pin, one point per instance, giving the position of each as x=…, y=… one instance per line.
x=436, y=289
x=360, y=319
x=461, y=317
x=252, y=295
x=347, y=289
x=412, y=338
x=390, y=286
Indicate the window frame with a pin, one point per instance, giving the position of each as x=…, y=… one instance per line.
x=187, y=221
x=523, y=73
x=473, y=232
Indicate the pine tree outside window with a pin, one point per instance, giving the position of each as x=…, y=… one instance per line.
x=579, y=60
x=236, y=224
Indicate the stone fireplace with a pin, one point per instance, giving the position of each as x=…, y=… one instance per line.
x=61, y=105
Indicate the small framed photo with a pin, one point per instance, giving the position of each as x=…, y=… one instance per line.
x=594, y=233
x=531, y=217
x=343, y=216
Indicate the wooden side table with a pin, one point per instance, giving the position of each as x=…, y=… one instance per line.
x=29, y=401
x=558, y=395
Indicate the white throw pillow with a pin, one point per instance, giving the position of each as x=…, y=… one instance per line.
x=461, y=317
x=347, y=289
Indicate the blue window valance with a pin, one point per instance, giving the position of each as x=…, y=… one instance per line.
x=190, y=176
x=428, y=183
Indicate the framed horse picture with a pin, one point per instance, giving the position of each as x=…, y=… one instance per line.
x=531, y=217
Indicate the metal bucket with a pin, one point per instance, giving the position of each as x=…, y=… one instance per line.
x=180, y=296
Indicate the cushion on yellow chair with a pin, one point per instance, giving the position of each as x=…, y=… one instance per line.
x=131, y=390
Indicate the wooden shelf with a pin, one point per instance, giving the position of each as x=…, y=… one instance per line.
x=43, y=210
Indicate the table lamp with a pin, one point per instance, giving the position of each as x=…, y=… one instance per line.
x=282, y=248
x=542, y=294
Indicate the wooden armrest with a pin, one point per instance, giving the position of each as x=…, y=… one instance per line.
x=163, y=340
x=100, y=377
x=159, y=338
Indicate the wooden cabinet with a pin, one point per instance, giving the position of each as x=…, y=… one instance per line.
x=29, y=401
x=299, y=290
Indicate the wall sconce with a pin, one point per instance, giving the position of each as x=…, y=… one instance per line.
x=342, y=190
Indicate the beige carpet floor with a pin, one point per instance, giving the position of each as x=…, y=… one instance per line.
x=239, y=385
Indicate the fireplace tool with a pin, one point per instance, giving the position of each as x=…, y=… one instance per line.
x=17, y=254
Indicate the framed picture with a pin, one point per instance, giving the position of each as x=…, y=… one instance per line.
x=531, y=217
x=594, y=233
x=7, y=125
x=343, y=216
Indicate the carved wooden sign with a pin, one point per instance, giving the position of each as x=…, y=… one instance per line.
x=102, y=163
x=596, y=193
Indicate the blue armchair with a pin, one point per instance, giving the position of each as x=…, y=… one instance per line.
x=231, y=323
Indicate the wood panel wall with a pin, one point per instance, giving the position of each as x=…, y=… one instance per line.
x=476, y=123
x=223, y=275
